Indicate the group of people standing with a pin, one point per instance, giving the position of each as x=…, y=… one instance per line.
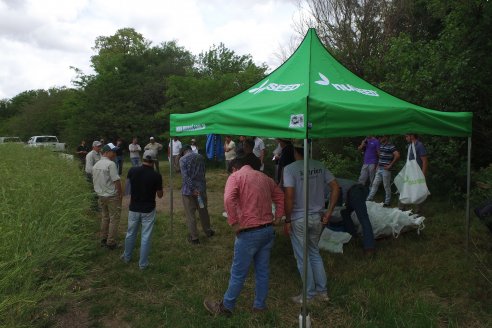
x=380, y=156
x=248, y=198
x=103, y=167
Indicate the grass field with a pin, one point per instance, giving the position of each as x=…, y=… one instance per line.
x=425, y=280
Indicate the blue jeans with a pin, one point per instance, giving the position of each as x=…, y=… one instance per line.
x=135, y=161
x=385, y=176
x=134, y=220
x=251, y=246
x=316, y=275
x=356, y=201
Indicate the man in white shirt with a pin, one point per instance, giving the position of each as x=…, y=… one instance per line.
x=135, y=150
x=175, y=153
x=107, y=186
x=92, y=158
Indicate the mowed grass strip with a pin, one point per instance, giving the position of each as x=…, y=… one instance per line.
x=44, y=235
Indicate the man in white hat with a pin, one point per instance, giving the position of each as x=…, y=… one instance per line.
x=107, y=186
x=92, y=158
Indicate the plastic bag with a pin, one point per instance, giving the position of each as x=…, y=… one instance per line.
x=411, y=181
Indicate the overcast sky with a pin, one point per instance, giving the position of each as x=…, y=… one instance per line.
x=41, y=39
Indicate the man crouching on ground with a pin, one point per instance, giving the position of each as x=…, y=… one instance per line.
x=248, y=198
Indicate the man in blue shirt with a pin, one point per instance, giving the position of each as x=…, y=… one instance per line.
x=194, y=187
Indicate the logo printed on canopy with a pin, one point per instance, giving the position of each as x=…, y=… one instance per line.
x=275, y=87
x=194, y=127
x=296, y=121
x=345, y=87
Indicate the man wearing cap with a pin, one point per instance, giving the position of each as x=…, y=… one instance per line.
x=319, y=177
x=176, y=144
x=193, y=189
x=144, y=184
x=107, y=186
x=156, y=148
x=92, y=158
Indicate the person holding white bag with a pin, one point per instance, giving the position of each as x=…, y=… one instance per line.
x=422, y=161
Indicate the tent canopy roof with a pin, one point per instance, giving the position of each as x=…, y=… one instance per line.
x=312, y=95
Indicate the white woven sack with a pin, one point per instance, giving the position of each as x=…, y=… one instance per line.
x=410, y=181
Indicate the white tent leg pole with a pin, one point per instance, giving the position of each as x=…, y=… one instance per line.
x=468, y=182
x=305, y=254
x=171, y=182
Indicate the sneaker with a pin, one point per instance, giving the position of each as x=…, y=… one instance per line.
x=210, y=233
x=322, y=297
x=216, y=307
x=122, y=257
x=386, y=205
x=298, y=299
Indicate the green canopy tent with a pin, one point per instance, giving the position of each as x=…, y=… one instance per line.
x=312, y=95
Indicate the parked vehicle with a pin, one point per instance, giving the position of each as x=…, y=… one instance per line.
x=46, y=141
x=10, y=140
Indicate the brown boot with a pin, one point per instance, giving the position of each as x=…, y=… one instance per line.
x=216, y=307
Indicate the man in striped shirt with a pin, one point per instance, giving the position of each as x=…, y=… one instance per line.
x=388, y=156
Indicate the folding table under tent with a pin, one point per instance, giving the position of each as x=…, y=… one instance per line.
x=312, y=95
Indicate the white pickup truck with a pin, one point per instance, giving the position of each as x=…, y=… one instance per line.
x=46, y=141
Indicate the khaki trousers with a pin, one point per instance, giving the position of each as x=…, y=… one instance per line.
x=190, y=205
x=111, y=212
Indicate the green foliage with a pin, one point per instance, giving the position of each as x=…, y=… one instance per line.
x=481, y=186
x=340, y=165
x=218, y=74
x=44, y=238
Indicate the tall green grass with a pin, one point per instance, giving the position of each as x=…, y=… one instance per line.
x=43, y=232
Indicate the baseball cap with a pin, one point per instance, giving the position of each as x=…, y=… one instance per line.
x=151, y=138
x=109, y=147
x=149, y=155
x=96, y=143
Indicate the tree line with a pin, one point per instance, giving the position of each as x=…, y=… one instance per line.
x=435, y=53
